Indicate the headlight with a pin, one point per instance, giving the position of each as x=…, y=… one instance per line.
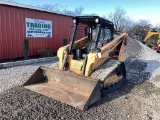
x=97, y=20
x=74, y=21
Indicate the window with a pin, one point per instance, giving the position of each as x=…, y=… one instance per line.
x=105, y=36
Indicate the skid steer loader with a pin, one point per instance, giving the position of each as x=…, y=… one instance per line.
x=88, y=68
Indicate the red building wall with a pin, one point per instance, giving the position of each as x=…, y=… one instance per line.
x=12, y=31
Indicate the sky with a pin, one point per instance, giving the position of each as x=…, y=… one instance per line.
x=135, y=9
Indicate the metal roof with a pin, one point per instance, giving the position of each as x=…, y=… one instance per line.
x=91, y=20
x=3, y=2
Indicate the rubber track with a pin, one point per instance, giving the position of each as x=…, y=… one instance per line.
x=104, y=71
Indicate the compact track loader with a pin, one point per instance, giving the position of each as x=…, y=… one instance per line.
x=88, y=68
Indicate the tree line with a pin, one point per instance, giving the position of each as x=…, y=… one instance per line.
x=122, y=22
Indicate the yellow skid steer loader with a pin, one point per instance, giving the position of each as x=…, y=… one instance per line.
x=88, y=68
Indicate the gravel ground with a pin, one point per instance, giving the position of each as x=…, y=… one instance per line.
x=137, y=99
x=14, y=76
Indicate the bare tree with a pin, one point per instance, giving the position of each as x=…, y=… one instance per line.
x=117, y=17
x=79, y=10
x=125, y=24
x=157, y=26
x=57, y=8
x=104, y=16
x=140, y=28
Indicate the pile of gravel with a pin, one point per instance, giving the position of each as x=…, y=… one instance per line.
x=142, y=59
x=135, y=69
x=126, y=103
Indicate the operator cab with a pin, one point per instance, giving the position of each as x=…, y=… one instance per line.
x=96, y=31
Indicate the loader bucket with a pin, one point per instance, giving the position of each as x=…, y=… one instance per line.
x=65, y=86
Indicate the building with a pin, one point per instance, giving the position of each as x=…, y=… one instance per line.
x=44, y=29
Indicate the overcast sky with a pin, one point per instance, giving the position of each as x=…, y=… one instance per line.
x=136, y=9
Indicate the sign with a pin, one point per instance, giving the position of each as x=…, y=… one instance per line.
x=38, y=28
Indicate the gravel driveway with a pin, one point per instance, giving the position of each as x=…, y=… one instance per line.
x=138, y=99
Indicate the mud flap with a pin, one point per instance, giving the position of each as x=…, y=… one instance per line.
x=68, y=87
